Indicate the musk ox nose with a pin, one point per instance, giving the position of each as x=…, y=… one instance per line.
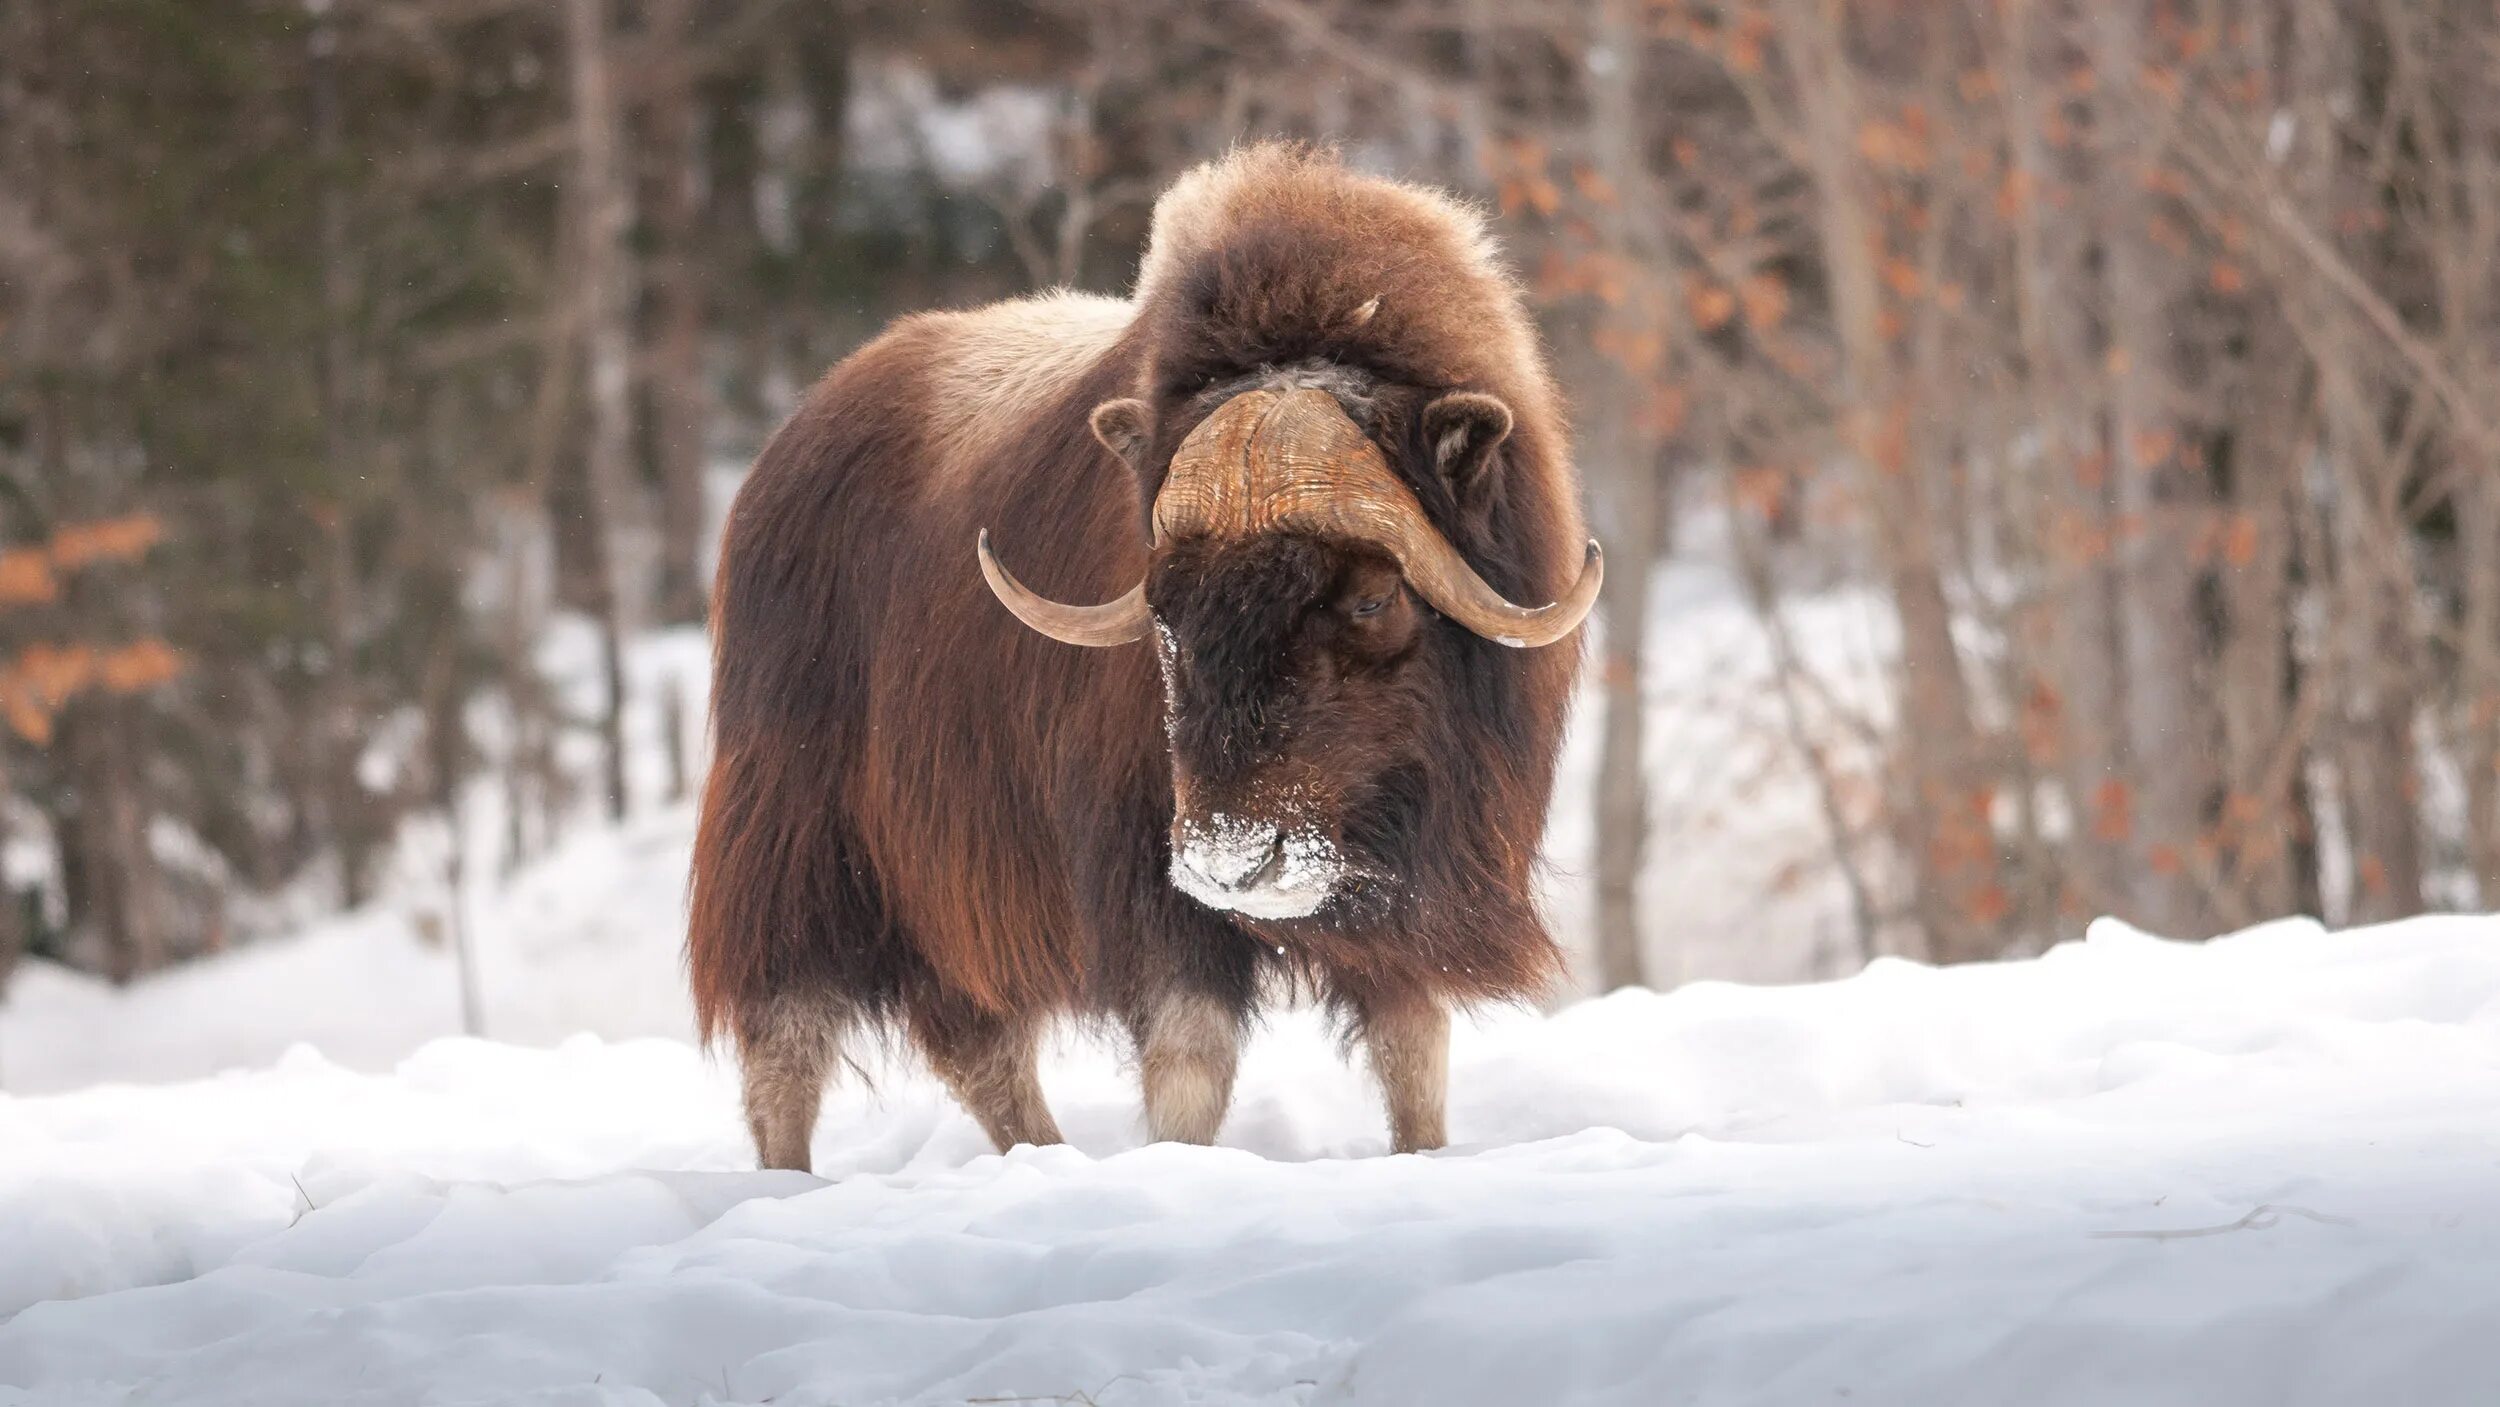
x=1236, y=856
x=1254, y=868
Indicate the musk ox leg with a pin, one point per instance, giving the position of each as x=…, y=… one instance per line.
x=1188, y=1045
x=990, y=1063
x=786, y=1050
x=1409, y=1043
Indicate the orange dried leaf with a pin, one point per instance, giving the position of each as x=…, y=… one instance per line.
x=2240, y=541
x=1989, y=905
x=1762, y=490
x=2113, y=811
x=106, y=539
x=1711, y=305
x=1893, y=145
x=1765, y=298
x=1594, y=186
x=27, y=718
x=52, y=672
x=1662, y=415
x=139, y=666
x=2013, y=193
x=26, y=578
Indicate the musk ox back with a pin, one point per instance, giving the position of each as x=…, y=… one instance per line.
x=1307, y=493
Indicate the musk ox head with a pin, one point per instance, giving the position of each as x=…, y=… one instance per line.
x=1311, y=623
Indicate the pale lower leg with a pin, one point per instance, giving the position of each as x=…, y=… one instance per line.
x=1188, y=1046
x=786, y=1050
x=991, y=1065
x=1409, y=1045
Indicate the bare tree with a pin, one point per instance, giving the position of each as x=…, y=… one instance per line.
x=601, y=215
x=678, y=401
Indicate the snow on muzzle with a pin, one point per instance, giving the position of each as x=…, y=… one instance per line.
x=1254, y=868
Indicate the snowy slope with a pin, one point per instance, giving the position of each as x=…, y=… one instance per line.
x=586, y=940
x=2264, y=1170
x=582, y=939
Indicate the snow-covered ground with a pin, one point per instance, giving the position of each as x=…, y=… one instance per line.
x=2262, y=1170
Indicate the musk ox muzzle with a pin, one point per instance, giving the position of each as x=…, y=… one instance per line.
x=1256, y=868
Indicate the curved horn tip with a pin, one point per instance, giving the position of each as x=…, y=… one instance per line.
x=1574, y=604
x=1112, y=623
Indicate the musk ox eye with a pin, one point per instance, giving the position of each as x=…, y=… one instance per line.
x=1370, y=606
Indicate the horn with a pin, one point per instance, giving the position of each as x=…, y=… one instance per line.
x=1271, y=460
x=1114, y=623
x=1442, y=577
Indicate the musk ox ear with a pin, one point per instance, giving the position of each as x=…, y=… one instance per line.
x=1124, y=427
x=1463, y=429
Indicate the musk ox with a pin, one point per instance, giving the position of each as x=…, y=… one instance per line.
x=1312, y=465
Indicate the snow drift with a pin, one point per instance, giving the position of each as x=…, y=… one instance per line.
x=2260, y=1170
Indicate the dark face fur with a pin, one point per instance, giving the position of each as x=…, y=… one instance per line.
x=1300, y=675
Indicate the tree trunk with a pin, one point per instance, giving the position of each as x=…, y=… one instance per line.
x=1637, y=490
x=1947, y=836
x=678, y=402
x=2162, y=513
x=2262, y=742
x=2375, y=676
x=339, y=802
x=447, y=766
x=117, y=899
x=2478, y=562
x=1622, y=761
x=2076, y=525
x=600, y=219
x=12, y=913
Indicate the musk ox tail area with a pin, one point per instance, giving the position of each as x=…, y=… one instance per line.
x=783, y=903
x=778, y=895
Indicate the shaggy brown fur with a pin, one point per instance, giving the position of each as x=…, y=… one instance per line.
x=924, y=818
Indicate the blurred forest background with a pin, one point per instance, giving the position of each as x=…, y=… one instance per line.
x=2139, y=358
